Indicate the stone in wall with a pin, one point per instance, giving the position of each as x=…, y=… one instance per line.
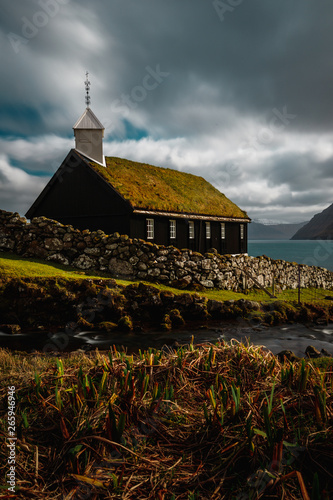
x=120, y=268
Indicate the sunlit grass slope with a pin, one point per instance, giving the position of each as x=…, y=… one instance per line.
x=13, y=266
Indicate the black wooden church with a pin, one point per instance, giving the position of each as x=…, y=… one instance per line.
x=160, y=205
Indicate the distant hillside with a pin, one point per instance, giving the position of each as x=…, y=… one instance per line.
x=319, y=227
x=273, y=232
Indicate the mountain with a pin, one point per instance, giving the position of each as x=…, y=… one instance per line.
x=259, y=231
x=320, y=227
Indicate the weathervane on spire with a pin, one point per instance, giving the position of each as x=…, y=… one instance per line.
x=87, y=84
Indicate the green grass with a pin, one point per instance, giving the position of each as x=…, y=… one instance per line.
x=15, y=266
x=168, y=190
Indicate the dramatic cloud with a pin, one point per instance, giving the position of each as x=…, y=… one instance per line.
x=241, y=96
x=17, y=188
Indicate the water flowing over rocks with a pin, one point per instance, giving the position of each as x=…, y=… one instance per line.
x=138, y=259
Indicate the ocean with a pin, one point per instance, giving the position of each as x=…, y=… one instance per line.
x=309, y=252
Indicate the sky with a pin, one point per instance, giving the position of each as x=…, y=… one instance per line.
x=237, y=91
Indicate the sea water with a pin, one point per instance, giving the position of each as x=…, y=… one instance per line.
x=309, y=252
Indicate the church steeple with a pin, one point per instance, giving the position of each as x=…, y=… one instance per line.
x=89, y=131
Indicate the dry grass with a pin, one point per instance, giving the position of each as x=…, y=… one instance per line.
x=224, y=421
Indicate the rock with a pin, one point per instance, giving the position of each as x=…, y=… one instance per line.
x=207, y=283
x=120, y=268
x=206, y=264
x=312, y=352
x=58, y=257
x=252, y=304
x=289, y=355
x=141, y=266
x=6, y=243
x=321, y=321
x=142, y=275
x=215, y=307
x=84, y=324
x=182, y=283
x=163, y=277
x=163, y=251
x=185, y=299
x=125, y=324
x=81, y=245
x=106, y=326
x=93, y=251
x=163, y=258
x=84, y=262
x=326, y=354
x=36, y=250
x=154, y=272
x=11, y=329
x=176, y=318
x=134, y=260
x=53, y=244
x=112, y=246
x=167, y=297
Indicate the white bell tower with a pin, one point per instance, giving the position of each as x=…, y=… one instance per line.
x=89, y=132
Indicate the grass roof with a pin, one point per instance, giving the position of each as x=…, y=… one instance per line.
x=162, y=189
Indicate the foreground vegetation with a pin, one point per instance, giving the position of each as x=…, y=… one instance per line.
x=224, y=421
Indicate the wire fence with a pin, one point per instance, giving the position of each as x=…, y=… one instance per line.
x=275, y=290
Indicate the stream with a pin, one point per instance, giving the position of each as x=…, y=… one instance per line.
x=294, y=337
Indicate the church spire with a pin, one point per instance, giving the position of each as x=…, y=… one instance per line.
x=87, y=85
x=89, y=132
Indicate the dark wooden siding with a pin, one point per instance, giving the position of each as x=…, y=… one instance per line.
x=230, y=245
x=77, y=195
x=83, y=194
x=232, y=238
x=106, y=223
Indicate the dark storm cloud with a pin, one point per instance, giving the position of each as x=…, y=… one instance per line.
x=264, y=54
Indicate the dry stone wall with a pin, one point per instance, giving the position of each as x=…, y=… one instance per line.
x=137, y=259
